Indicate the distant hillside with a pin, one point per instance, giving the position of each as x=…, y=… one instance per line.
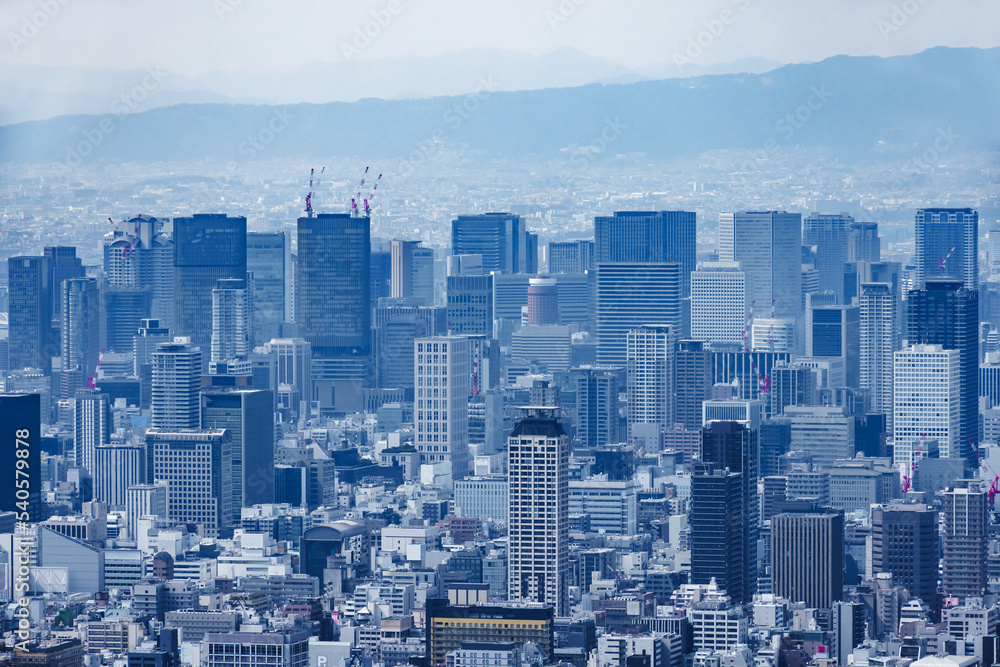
x=861, y=107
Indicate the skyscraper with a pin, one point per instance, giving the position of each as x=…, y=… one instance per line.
x=124, y=310
x=21, y=440
x=718, y=520
x=207, y=248
x=905, y=544
x=927, y=399
x=629, y=296
x=945, y=313
x=830, y=235
x=333, y=309
x=693, y=373
x=248, y=415
x=412, y=271
x=571, y=256
x=442, y=394
x=267, y=264
x=175, y=385
x=63, y=265
x=502, y=239
x=81, y=333
x=538, y=522
x=92, y=426
x=469, y=301
x=719, y=304
x=834, y=331
x=650, y=384
x=807, y=557
x=543, y=301
x=730, y=448
x=117, y=467
x=767, y=245
x=596, y=406
x=196, y=465
x=232, y=314
x=947, y=245
x=863, y=243
x=880, y=338
x=966, y=528
x=648, y=236
x=30, y=314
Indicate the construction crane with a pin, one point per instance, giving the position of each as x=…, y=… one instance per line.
x=944, y=260
x=764, y=382
x=309, y=194
x=92, y=382
x=985, y=467
x=907, y=479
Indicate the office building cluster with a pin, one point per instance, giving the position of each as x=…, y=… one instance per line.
x=776, y=445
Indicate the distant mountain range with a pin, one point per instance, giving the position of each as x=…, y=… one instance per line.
x=858, y=106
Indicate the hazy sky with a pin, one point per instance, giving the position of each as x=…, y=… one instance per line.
x=197, y=36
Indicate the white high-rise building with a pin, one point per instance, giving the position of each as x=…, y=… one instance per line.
x=232, y=316
x=772, y=335
x=768, y=246
x=927, y=399
x=176, y=385
x=443, y=383
x=650, y=383
x=719, y=305
x=116, y=468
x=538, y=518
x=880, y=338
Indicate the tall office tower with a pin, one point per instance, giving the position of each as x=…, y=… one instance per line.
x=248, y=415
x=92, y=426
x=543, y=301
x=571, y=256
x=232, y=314
x=573, y=292
x=124, y=310
x=629, y=296
x=538, y=516
x=826, y=433
x=879, y=339
x=196, y=465
x=863, y=244
x=650, y=384
x=294, y=370
x=30, y=314
x=775, y=441
x=394, y=338
x=732, y=448
x=830, y=235
x=693, y=374
x=469, y=298
x=412, y=271
x=927, y=400
x=175, y=384
x=267, y=255
x=947, y=245
x=81, y=333
x=145, y=338
x=748, y=371
x=597, y=406
x=501, y=239
x=791, y=384
x=380, y=271
x=333, y=305
x=63, y=265
x=834, y=331
x=142, y=256
x=964, y=541
x=905, y=544
x=634, y=237
x=768, y=247
x=772, y=335
x=807, y=558
x=945, y=313
x=207, y=248
x=442, y=394
x=717, y=521
x=719, y=304
x=21, y=440
x=116, y=468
